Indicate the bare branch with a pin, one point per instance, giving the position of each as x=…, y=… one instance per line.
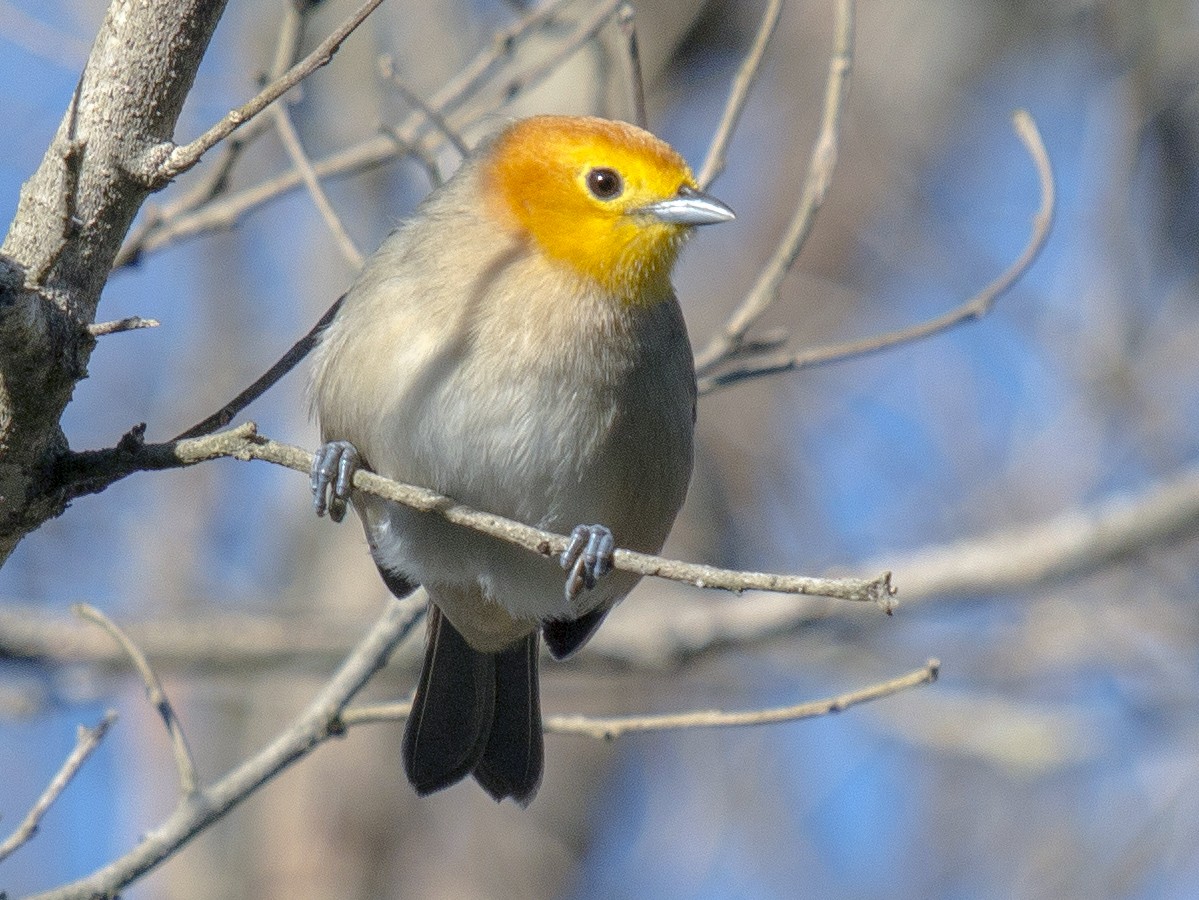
x=816, y=184
x=70, y=220
x=608, y=729
x=181, y=158
x=216, y=181
x=130, y=323
x=626, y=18
x=86, y=741
x=314, y=725
x=583, y=32
x=974, y=308
x=1021, y=558
x=179, y=222
x=184, y=764
x=103, y=466
x=285, y=364
x=388, y=70
x=299, y=159
x=744, y=80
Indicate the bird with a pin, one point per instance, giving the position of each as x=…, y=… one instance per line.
x=516, y=345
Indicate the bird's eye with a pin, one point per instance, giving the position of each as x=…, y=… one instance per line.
x=605, y=184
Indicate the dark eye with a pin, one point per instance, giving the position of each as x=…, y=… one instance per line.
x=605, y=184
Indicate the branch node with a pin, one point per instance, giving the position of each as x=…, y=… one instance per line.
x=133, y=439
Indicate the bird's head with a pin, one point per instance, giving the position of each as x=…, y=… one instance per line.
x=607, y=200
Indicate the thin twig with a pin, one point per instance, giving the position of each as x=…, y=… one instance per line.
x=611, y=728
x=744, y=80
x=86, y=741
x=130, y=323
x=244, y=443
x=387, y=69
x=974, y=308
x=314, y=725
x=184, y=764
x=216, y=181
x=183, y=157
x=282, y=366
x=299, y=159
x=626, y=18
x=184, y=220
x=583, y=32
x=815, y=188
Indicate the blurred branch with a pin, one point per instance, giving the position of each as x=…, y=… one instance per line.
x=314, y=725
x=746, y=75
x=181, y=158
x=86, y=741
x=387, y=68
x=626, y=18
x=184, y=764
x=1012, y=560
x=80, y=473
x=823, y=162
x=223, y=210
x=282, y=366
x=299, y=159
x=974, y=308
x=608, y=729
x=216, y=180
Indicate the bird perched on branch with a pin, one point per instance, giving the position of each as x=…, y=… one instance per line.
x=517, y=346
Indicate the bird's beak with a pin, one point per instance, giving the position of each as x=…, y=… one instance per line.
x=688, y=207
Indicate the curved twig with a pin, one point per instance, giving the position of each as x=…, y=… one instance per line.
x=613, y=727
x=815, y=188
x=743, y=81
x=974, y=308
x=185, y=765
x=183, y=157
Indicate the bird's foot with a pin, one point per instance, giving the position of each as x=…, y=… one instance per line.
x=333, y=470
x=587, y=558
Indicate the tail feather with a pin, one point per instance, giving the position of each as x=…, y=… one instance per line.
x=452, y=710
x=475, y=712
x=513, y=759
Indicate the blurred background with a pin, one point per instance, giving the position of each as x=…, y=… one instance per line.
x=1058, y=756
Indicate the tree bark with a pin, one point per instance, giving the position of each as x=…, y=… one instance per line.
x=73, y=215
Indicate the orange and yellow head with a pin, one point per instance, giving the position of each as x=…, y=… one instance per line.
x=608, y=200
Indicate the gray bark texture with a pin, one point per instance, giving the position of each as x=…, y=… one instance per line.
x=74, y=212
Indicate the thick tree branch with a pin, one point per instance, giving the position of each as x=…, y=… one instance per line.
x=71, y=217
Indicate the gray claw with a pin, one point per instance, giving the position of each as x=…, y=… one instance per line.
x=587, y=558
x=333, y=469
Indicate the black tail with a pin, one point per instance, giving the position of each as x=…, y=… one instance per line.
x=512, y=761
x=475, y=712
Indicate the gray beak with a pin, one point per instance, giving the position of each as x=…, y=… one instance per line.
x=688, y=207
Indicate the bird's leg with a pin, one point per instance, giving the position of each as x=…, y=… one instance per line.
x=587, y=558
x=333, y=469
